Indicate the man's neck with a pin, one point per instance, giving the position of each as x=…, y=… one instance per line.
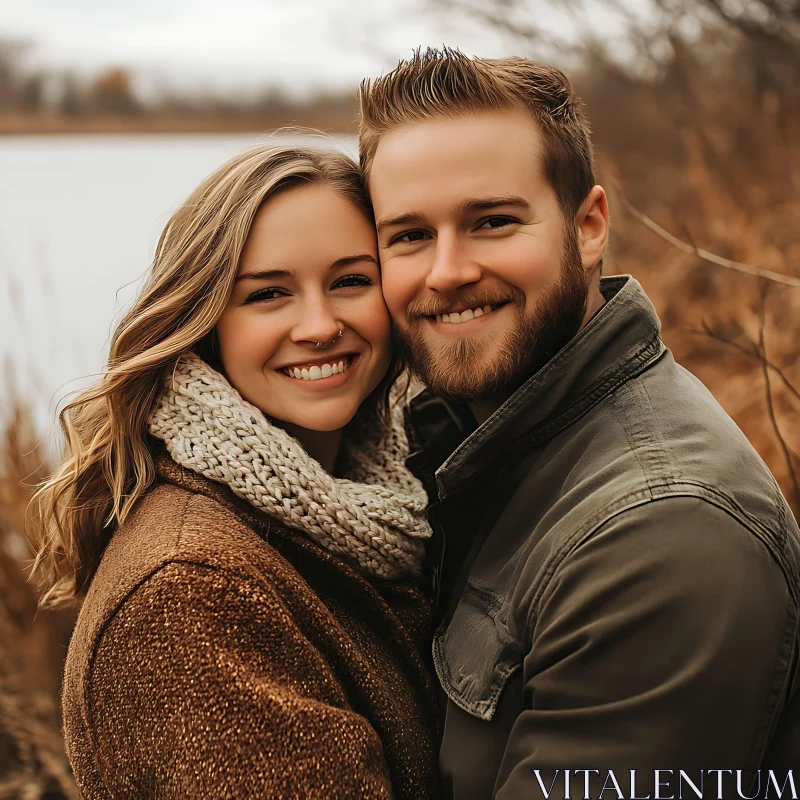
x=485, y=408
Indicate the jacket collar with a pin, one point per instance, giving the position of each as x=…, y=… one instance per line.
x=620, y=341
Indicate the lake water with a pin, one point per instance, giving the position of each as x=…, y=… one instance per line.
x=79, y=220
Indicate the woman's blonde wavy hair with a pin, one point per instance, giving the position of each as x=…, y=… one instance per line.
x=108, y=464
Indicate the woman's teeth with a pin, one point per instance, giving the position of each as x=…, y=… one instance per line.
x=464, y=316
x=315, y=373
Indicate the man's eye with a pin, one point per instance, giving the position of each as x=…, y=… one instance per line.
x=352, y=281
x=497, y=222
x=265, y=295
x=410, y=236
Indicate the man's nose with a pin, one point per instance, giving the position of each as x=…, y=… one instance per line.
x=317, y=322
x=452, y=267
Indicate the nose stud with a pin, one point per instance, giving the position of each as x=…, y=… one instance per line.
x=332, y=341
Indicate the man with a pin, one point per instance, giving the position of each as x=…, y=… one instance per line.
x=617, y=572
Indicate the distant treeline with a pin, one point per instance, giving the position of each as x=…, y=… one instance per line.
x=35, y=99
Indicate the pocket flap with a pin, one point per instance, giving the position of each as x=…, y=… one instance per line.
x=475, y=654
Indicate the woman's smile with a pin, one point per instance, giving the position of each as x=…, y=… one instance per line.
x=322, y=373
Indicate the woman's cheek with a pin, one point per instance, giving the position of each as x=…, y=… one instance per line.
x=375, y=322
x=248, y=340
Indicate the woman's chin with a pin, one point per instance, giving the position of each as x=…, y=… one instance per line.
x=322, y=419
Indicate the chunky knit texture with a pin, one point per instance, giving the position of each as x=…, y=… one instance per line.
x=375, y=517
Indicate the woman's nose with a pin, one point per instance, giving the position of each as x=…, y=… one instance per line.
x=317, y=323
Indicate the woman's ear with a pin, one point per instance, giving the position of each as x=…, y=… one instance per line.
x=592, y=224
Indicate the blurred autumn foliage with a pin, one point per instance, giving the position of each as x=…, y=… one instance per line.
x=696, y=114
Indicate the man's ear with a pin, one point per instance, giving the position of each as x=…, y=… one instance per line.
x=591, y=222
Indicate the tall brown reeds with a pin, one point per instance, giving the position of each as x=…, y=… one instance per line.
x=32, y=642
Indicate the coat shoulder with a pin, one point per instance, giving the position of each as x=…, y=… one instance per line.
x=171, y=525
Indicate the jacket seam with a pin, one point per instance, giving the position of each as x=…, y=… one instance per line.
x=706, y=493
x=660, y=455
x=632, y=446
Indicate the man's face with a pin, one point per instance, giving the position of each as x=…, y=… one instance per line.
x=484, y=281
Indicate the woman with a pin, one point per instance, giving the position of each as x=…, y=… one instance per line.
x=236, y=509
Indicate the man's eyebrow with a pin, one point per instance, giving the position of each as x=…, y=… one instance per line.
x=411, y=218
x=275, y=274
x=488, y=203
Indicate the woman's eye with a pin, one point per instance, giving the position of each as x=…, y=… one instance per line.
x=497, y=222
x=410, y=236
x=266, y=295
x=352, y=281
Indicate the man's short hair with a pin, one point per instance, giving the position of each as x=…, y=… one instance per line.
x=445, y=83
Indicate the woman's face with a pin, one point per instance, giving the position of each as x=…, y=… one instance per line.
x=309, y=269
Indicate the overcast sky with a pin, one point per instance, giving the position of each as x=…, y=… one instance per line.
x=297, y=44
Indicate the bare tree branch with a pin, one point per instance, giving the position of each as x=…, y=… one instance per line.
x=751, y=351
x=762, y=348
x=705, y=255
x=779, y=25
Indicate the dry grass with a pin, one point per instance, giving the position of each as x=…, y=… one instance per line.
x=32, y=643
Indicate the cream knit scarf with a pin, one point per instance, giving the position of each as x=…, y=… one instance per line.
x=376, y=518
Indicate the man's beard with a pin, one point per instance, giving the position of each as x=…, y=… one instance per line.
x=455, y=369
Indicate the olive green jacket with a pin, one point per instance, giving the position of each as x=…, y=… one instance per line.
x=619, y=576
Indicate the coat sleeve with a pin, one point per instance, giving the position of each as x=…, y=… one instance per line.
x=663, y=642
x=203, y=685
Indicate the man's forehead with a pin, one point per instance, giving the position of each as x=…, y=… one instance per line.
x=455, y=159
x=504, y=130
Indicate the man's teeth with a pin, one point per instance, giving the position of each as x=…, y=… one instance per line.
x=464, y=316
x=316, y=372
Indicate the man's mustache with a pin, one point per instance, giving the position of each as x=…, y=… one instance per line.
x=476, y=298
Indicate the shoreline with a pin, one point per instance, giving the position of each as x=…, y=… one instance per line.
x=54, y=125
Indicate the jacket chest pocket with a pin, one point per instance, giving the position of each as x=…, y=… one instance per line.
x=476, y=653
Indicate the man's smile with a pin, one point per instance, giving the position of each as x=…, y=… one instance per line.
x=463, y=322
x=456, y=317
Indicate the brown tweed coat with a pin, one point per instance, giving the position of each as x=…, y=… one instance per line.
x=220, y=654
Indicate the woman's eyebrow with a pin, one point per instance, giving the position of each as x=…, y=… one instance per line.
x=265, y=275
x=347, y=260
